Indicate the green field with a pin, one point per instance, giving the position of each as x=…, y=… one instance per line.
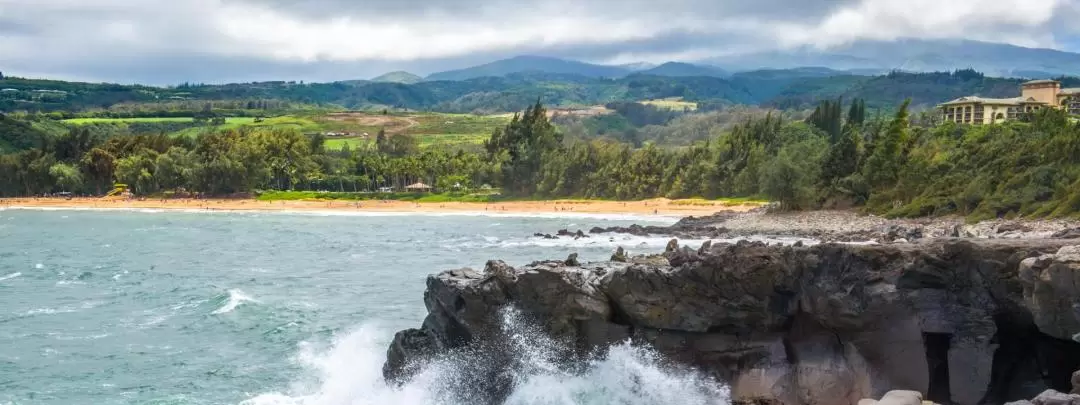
x=432, y=129
x=426, y=140
x=85, y=121
x=672, y=103
x=339, y=143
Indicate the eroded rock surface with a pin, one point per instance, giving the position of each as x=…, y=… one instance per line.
x=965, y=322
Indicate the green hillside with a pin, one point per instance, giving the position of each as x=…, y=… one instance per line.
x=398, y=77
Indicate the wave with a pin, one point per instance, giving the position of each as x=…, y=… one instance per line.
x=236, y=297
x=350, y=373
x=48, y=311
x=659, y=219
x=10, y=276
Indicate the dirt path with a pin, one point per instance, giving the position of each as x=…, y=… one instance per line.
x=393, y=125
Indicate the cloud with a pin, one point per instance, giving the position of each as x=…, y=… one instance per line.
x=1018, y=22
x=170, y=41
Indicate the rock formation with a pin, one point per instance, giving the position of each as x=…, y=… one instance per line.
x=964, y=322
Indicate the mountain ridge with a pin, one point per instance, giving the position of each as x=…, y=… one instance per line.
x=860, y=57
x=530, y=63
x=398, y=76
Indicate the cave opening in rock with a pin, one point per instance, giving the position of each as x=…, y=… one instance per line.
x=1027, y=361
x=937, y=359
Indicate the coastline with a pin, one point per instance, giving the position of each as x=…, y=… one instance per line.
x=660, y=207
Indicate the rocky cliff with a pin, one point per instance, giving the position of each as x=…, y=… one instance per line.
x=965, y=322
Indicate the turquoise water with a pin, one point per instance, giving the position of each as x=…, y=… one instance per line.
x=116, y=307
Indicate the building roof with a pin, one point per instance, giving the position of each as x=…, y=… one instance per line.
x=1070, y=91
x=1043, y=81
x=417, y=186
x=993, y=101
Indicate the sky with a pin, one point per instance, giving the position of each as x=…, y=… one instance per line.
x=215, y=41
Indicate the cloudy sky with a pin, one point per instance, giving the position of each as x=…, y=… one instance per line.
x=213, y=41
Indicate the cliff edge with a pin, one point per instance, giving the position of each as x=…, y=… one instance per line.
x=962, y=321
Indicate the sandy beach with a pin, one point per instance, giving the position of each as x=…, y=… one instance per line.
x=661, y=207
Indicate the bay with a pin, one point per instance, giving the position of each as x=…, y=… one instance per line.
x=151, y=307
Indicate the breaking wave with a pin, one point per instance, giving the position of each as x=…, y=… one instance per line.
x=349, y=372
x=10, y=276
x=236, y=297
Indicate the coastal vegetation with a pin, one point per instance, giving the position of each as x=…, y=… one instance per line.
x=894, y=160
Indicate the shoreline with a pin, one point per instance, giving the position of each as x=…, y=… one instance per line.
x=659, y=208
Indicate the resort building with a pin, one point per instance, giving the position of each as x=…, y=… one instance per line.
x=1034, y=95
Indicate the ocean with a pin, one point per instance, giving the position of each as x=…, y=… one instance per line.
x=162, y=307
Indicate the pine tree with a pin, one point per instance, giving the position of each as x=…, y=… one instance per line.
x=883, y=165
x=843, y=159
x=827, y=118
x=525, y=141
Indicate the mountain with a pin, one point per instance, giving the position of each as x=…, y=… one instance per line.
x=637, y=66
x=915, y=55
x=524, y=64
x=398, y=77
x=679, y=69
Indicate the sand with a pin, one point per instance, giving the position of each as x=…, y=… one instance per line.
x=660, y=207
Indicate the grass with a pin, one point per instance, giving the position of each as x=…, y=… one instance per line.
x=302, y=124
x=432, y=129
x=85, y=121
x=672, y=103
x=339, y=143
x=458, y=124
x=428, y=140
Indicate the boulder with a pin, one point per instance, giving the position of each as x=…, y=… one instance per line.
x=1076, y=382
x=572, y=260
x=907, y=233
x=901, y=397
x=619, y=255
x=1051, y=287
x=1051, y=397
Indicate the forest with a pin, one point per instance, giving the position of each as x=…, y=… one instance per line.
x=837, y=155
x=781, y=89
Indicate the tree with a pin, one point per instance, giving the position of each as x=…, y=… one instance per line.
x=99, y=165
x=843, y=157
x=524, y=141
x=827, y=118
x=857, y=113
x=173, y=169
x=137, y=171
x=381, y=141
x=67, y=177
x=883, y=166
x=318, y=144
x=783, y=182
x=789, y=177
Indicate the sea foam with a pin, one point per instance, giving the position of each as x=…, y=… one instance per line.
x=10, y=276
x=236, y=297
x=350, y=373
